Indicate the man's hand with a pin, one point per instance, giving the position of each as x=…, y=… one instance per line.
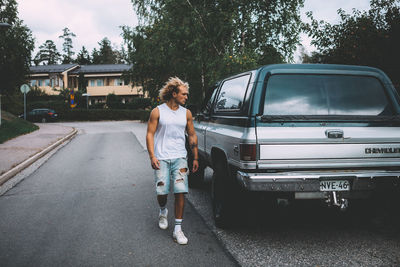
x=155, y=164
x=195, y=165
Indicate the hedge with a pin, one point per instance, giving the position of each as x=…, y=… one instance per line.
x=103, y=114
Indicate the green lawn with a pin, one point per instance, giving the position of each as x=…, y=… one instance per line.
x=12, y=126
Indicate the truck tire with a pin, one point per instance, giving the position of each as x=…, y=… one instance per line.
x=222, y=196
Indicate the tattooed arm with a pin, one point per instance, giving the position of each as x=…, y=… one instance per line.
x=192, y=138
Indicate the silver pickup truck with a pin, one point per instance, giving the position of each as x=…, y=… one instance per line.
x=307, y=131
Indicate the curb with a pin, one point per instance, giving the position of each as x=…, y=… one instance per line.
x=11, y=173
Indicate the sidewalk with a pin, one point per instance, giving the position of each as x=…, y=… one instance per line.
x=14, y=154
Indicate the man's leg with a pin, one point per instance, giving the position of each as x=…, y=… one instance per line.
x=162, y=189
x=162, y=200
x=179, y=205
x=180, y=188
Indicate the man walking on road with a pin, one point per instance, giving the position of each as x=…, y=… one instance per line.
x=165, y=142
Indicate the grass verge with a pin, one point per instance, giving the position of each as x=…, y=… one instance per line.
x=12, y=126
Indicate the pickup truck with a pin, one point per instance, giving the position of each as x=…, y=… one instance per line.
x=299, y=131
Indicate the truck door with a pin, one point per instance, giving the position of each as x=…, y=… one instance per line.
x=202, y=119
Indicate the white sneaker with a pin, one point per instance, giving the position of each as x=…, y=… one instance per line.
x=163, y=220
x=180, y=238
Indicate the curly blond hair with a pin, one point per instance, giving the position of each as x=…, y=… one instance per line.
x=172, y=85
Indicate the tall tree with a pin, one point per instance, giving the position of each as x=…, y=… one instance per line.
x=16, y=46
x=121, y=56
x=369, y=38
x=202, y=41
x=67, y=45
x=83, y=57
x=48, y=54
x=105, y=55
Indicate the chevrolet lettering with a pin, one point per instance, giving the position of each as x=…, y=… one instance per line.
x=300, y=131
x=390, y=150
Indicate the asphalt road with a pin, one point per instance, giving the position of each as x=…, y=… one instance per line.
x=93, y=204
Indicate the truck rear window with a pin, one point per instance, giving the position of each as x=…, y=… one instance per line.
x=295, y=94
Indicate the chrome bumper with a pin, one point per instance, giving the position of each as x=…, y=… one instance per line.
x=310, y=181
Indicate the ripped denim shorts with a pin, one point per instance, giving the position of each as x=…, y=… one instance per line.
x=174, y=170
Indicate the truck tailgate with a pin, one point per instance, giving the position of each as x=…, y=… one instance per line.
x=297, y=147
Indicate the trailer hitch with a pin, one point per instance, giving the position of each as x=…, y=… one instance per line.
x=334, y=200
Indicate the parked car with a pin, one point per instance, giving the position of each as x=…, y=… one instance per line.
x=41, y=115
x=300, y=131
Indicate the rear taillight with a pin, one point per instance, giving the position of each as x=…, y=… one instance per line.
x=248, y=152
x=50, y=113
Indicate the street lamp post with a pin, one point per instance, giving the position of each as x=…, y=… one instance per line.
x=87, y=100
x=3, y=25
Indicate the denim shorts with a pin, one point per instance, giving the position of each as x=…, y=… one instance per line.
x=174, y=170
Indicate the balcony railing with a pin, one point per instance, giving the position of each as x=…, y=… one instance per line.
x=118, y=90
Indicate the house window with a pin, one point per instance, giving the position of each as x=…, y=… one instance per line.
x=47, y=82
x=92, y=83
x=33, y=83
x=40, y=82
x=99, y=82
x=118, y=82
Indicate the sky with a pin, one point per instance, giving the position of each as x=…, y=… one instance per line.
x=92, y=20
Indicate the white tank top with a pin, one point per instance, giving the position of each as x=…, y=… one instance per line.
x=169, y=139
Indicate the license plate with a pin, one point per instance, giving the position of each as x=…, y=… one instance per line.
x=334, y=185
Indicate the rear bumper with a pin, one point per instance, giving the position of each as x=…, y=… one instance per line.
x=310, y=181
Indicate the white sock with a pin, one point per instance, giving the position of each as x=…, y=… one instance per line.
x=178, y=223
x=163, y=210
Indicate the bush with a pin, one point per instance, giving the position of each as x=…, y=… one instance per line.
x=114, y=101
x=97, y=106
x=58, y=106
x=12, y=126
x=104, y=114
x=142, y=103
x=13, y=104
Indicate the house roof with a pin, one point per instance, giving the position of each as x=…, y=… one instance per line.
x=51, y=68
x=103, y=68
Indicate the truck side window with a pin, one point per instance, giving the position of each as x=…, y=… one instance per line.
x=232, y=94
x=208, y=105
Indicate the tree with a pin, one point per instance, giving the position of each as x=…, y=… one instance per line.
x=82, y=83
x=203, y=41
x=67, y=45
x=16, y=46
x=113, y=101
x=83, y=57
x=105, y=55
x=47, y=54
x=369, y=38
x=120, y=55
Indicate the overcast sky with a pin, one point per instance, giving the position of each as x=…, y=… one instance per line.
x=92, y=20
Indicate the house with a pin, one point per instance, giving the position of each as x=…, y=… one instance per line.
x=50, y=77
x=99, y=80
